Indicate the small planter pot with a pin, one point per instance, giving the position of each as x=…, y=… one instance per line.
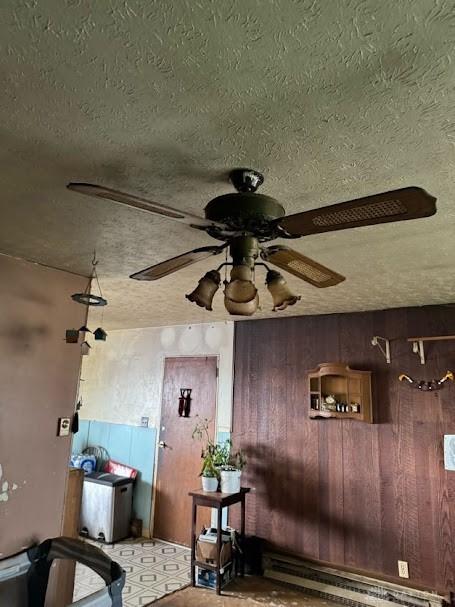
x=209, y=484
x=230, y=481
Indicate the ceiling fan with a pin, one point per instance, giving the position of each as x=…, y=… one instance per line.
x=244, y=220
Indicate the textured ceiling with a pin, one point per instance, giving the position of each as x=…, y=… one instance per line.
x=332, y=100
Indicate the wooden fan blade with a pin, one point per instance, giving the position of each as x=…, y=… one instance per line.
x=141, y=203
x=301, y=266
x=177, y=263
x=397, y=205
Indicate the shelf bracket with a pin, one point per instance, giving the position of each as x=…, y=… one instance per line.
x=417, y=344
x=384, y=345
x=417, y=348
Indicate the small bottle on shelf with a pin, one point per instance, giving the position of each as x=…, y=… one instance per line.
x=315, y=402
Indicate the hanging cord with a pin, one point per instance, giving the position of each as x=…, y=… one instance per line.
x=102, y=315
x=95, y=273
x=87, y=298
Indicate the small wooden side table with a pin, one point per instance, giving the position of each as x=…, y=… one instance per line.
x=218, y=501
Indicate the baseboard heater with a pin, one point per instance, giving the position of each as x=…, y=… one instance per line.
x=345, y=587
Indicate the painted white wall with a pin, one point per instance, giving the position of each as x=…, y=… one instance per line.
x=122, y=377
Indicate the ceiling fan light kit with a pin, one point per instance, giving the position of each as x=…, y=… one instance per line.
x=240, y=289
x=240, y=294
x=280, y=292
x=244, y=220
x=247, y=308
x=205, y=291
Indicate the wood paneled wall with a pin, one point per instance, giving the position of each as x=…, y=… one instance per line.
x=352, y=494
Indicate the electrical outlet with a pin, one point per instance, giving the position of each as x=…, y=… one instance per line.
x=145, y=422
x=64, y=426
x=403, y=569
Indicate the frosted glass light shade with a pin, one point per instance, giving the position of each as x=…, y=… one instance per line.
x=242, y=309
x=240, y=289
x=281, y=294
x=205, y=291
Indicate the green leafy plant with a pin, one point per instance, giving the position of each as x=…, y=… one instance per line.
x=209, y=469
x=232, y=460
x=209, y=452
x=223, y=452
x=218, y=456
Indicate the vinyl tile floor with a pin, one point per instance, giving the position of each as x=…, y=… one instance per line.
x=153, y=569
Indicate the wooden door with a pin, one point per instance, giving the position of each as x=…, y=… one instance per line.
x=179, y=461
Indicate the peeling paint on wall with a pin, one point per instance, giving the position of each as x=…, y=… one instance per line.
x=6, y=488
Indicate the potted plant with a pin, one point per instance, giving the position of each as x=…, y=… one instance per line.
x=209, y=471
x=219, y=462
x=231, y=469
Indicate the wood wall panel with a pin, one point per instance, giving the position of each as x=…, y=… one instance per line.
x=352, y=494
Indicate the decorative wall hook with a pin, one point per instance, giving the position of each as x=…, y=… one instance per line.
x=184, y=402
x=427, y=386
x=187, y=409
x=181, y=402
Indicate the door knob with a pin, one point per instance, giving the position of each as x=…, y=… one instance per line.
x=161, y=444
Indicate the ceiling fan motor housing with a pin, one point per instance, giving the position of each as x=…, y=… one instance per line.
x=245, y=211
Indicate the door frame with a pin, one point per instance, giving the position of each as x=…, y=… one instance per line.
x=163, y=357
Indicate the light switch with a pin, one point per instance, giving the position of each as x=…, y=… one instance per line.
x=64, y=426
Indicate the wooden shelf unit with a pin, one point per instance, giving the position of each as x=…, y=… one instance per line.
x=347, y=385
